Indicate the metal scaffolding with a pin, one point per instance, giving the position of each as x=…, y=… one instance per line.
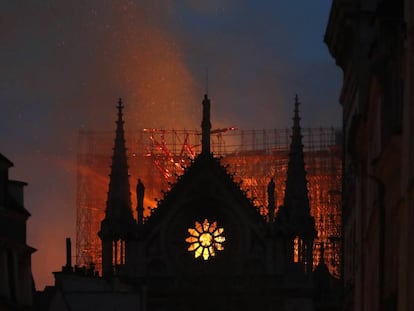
x=158, y=156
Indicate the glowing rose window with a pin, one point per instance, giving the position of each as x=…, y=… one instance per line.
x=205, y=239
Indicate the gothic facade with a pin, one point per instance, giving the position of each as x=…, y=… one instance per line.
x=207, y=246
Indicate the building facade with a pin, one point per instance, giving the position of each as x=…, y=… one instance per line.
x=207, y=245
x=372, y=43
x=16, y=281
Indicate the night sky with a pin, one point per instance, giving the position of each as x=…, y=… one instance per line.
x=64, y=64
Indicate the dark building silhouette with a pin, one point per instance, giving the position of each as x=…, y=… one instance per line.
x=254, y=157
x=81, y=289
x=372, y=42
x=16, y=281
x=205, y=246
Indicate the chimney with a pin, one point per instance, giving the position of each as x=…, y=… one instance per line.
x=68, y=267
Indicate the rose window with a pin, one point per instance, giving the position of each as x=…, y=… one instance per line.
x=205, y=239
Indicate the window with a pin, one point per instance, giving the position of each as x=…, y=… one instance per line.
x=205, y=239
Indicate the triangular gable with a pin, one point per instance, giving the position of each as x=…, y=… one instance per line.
x=206, y=192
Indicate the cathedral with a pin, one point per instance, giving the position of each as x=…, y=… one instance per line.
x=206, y=245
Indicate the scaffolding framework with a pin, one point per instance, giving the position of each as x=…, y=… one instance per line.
x=158, y=156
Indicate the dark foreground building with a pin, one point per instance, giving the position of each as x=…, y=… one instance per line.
x=372, y=42
x=206, y=245
x=16, y=281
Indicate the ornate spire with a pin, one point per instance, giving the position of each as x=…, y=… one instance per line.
x=206, y=126
x=296, y=194
x=296, y=201
x=118, y=204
